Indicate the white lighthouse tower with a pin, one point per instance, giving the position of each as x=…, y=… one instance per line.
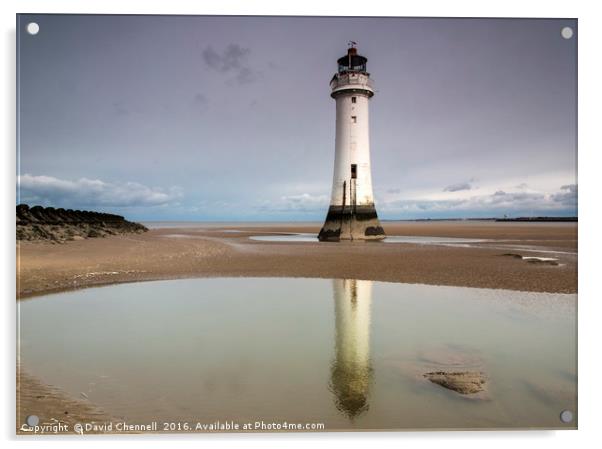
x=352, y=215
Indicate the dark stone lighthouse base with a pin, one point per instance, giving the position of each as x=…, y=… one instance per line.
x=351, y=223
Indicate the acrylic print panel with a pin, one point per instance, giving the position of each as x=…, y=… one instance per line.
x=309, y=224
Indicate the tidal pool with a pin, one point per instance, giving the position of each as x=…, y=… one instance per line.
x=347, y=353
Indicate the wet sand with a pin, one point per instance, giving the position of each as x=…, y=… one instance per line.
x=199, y=252
x=53, y=408
x=169, y=253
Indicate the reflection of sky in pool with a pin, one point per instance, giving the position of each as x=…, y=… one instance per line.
x=347, y=353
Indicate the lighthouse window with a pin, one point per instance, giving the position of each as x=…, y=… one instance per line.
x=353, y=99
x=354, y=118
x=353, y=171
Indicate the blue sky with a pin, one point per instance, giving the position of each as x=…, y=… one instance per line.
x=230, y=118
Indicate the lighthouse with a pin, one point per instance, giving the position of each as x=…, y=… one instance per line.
x=352, y=215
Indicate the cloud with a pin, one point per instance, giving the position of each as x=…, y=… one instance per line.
x=458, y=187
x=120, y=109
x=567, y=196
x=200, y=99
x=304, y=201
x=91, y=193
x=499, y=202
x=572, y=188
x=394, y=191
x=513, y=199
x=199, y=102
x=233, y=60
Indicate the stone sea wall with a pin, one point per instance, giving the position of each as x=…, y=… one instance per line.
x=60, y=225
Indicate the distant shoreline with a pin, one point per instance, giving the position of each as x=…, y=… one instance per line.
x=250, y=223
x=540, y=219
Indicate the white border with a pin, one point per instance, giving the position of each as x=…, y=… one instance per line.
x=590, y=310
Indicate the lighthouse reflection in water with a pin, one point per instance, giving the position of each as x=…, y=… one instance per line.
x=351, y=370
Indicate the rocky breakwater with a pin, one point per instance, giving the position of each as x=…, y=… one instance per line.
x=60, y=225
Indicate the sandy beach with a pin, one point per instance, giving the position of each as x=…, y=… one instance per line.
x=52, y=406
x=167, y=253
x=222, y=251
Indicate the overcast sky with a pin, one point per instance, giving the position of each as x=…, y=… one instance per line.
x=230, y=118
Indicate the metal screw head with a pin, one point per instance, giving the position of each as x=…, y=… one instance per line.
x=566, y=416
x=33, y=28
x=32, y=420
x=566, y=32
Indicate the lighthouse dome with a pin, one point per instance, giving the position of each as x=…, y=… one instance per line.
x=352, y=62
